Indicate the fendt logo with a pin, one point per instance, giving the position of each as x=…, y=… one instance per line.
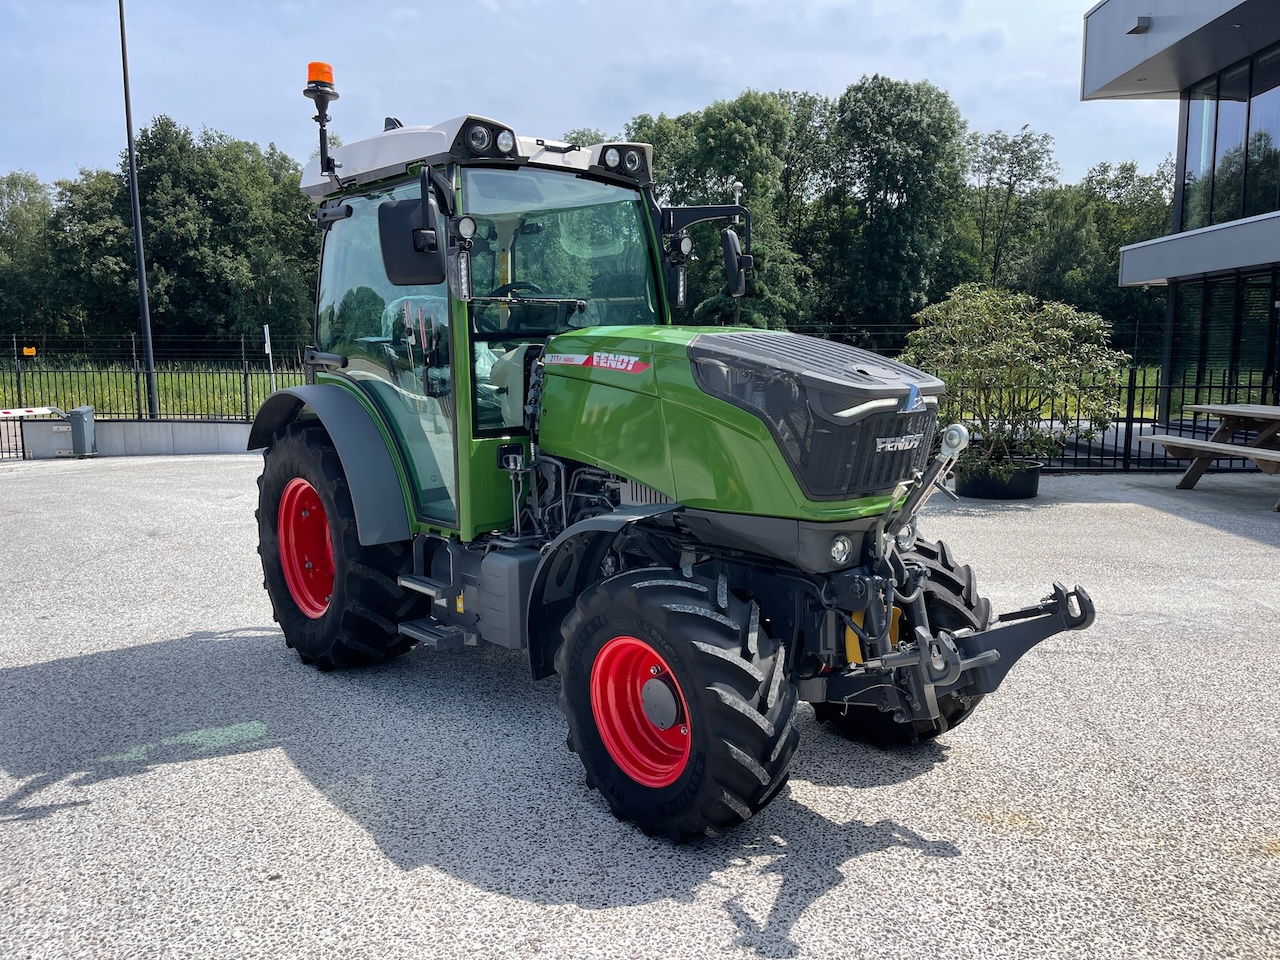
x=605, y=361
x=618, y=361
x=891, y=444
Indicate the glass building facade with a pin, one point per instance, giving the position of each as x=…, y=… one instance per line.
x=1224, y=327
x=1231, y=144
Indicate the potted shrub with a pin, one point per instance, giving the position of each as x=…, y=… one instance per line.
x=1022, y=375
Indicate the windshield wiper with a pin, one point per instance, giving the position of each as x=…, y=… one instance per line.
x=578, y=306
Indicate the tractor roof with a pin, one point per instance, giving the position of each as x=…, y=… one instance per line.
x=392, y=152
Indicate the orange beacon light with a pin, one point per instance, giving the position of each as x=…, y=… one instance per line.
x=320, y=89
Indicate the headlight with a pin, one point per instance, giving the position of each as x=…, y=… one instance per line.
x=612, y=158
x=841, y=549
x=479, y=137
x=506, y=141
x=632, y=161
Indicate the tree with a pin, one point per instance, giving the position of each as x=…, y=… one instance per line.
x=1006, y=173
x=224, y=227
x=227, y=244
x=808, y=161
x=93, y=258
x=25, y=211
x=672, y=138
x=1073, y=253
x=585, y=136
x=899, y=153
x=697, y=159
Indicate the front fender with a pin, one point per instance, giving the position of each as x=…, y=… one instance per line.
x=372, y=475
x=568, y=566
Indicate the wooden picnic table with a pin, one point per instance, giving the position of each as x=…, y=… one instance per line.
x=1233, y=418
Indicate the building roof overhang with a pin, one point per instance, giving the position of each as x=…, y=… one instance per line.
x=1155, y=49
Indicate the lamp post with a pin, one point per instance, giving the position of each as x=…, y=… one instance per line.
x=144, y=311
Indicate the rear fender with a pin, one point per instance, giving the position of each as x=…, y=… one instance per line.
x=372, y=477
x=571, y=564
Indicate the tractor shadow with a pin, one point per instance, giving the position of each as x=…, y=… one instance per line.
x=453, y=761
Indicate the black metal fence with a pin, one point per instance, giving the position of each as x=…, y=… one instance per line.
x=228, y=382
x=10, y=440
x=233, y=389
x=1147, y=404
x=185, y=391
x=196, y=378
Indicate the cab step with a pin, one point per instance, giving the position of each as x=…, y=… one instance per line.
x=432, y=588
x=433, y=634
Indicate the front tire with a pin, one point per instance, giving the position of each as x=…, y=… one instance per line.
x=677, y=700
x=952, y=602
x=336, y=600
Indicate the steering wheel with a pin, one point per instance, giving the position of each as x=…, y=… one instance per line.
x=508, y=288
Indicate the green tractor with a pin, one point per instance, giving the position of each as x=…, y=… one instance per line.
x=503, y=438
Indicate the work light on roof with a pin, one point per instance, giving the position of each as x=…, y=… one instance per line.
x=612, y=158
x=506, y=141
x=479, y=137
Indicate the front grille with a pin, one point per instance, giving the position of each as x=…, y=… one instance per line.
x=840, y=463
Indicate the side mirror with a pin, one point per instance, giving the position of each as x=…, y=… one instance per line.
x=413, y=242
x=736, y=264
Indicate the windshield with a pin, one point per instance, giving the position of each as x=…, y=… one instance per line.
x=555, y=251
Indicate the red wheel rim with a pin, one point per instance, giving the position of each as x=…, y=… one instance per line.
x=306, y=550
x=648, y=754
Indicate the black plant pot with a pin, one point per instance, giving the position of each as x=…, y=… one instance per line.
x=1023, y=485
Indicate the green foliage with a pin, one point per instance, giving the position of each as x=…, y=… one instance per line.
x=25, y=209
x=1074, y=253
x=698, y=157
x=1023, y=375
x=585, y=136
x=1008, y=174
x=227, y=243
x=896, y=151
x=865, y=208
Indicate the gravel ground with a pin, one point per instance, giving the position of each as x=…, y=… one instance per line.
x=174, y=783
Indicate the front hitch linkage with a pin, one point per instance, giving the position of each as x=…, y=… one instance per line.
x=964, y=663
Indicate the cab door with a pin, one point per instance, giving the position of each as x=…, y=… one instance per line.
x=397, y=343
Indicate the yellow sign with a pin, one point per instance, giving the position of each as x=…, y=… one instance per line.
x=28, y=351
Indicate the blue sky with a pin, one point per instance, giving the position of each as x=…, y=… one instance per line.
x=542, y=66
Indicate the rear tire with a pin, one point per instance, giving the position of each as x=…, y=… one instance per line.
x=704, y=742
x=952, y=602
x=337, y=601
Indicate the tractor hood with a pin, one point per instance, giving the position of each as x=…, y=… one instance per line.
x=849, y=422
x=740, y=420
